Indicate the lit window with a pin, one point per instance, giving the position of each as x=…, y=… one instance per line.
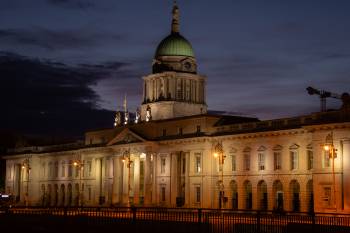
x=56, y=169
x=326, y=159
x=277, y=158
x=89, y=168
x=198, y=163
x=293, y=160
x=327, y=196
x=163, y=194
x=162, y=165
x=89, y=193
x=310, y=159
x=198, y=194
x=183, y=165
x=50, y=169
x=70, y=168
x=246, y=161
x=261, y=161
x=233, y=162
x=63, y=169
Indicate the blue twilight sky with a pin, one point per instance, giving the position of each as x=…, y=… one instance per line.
x=258, y=55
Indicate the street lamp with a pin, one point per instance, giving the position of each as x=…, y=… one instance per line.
x=78, y=164
x=26, y=167
x=332, y=153
x=219, y=153
x=126, y=159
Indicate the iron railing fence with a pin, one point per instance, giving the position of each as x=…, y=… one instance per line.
x=187, y=220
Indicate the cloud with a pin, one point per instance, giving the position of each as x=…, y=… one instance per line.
x=46, y=97
x=73, y=4
x=54, y=40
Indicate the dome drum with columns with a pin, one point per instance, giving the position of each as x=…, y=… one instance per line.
x=174, y=89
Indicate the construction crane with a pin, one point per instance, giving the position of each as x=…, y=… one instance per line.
x=323, y=95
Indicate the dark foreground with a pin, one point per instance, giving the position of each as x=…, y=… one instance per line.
x=67, y=220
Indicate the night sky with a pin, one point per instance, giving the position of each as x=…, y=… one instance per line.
x=65, y=65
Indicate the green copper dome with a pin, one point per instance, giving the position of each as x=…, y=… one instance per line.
x=174, y=45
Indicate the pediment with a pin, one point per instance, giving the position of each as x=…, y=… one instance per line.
x=294, y=147
x=277, y=147
x=247, y=150
x=261, y=148
x=125, y=137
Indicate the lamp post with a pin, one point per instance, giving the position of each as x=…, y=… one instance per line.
x=78, y=164
x=126, y=159
x=219, y=153
x=26, y=167
x=332, y=152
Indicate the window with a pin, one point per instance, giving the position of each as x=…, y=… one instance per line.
x=89, y=168
x=198, y=162
x=293, y=160
x=180, y=131
x=56, y=169
x=233, y=162
x=89, y=193
x=43, y=170
x=50, y=169
x=261, y=161
x=164, y=132
x=277, y=160
x=198, y=129
x=198, y=194
x=327, y=196
x=142, y=176
x=77, y=170
x=162, y=165
x=162, y=195
x=70, y=168
x=63, y=168
x=246, y=162
x=183, y=165
x=310, y=159
x=326, y=159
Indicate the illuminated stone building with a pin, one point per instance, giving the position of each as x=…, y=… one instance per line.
x=178, y=155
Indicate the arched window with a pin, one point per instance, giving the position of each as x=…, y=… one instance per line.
x=234, y=190
x=247, y=186
x=278, y=195
x=262, y=195
x=310, y=196
x=294, y=189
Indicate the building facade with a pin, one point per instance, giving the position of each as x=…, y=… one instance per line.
x=178, y=155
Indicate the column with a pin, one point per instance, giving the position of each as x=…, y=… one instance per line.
x=97, y=165
x=346, y=173
x=125, y=183
x=187, y=180
x=173, y=179
x=136, y=178
x=117, y=180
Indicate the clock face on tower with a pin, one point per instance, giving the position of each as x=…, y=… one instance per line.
x=187, y=65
